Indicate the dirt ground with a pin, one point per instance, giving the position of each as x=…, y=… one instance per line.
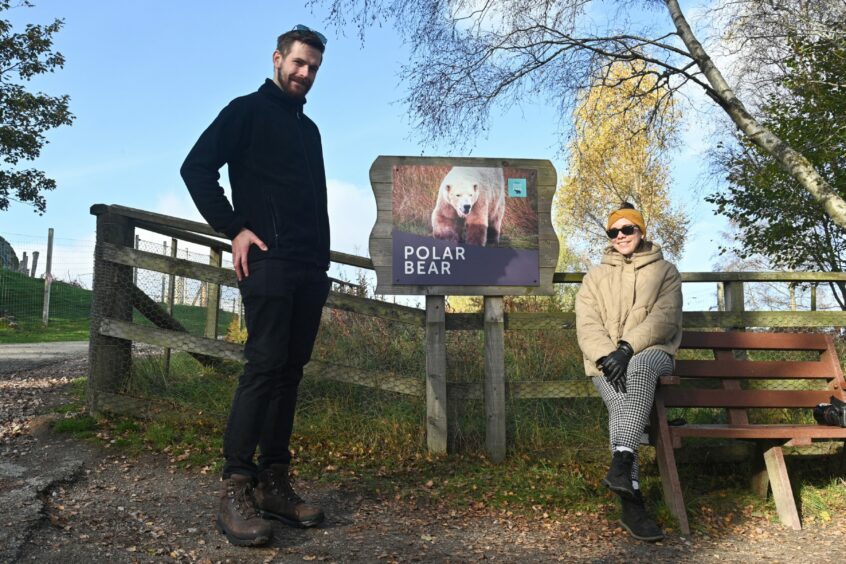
x=65, y=500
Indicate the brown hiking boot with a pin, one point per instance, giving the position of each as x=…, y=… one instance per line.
x=238, y=517
x=277, y=500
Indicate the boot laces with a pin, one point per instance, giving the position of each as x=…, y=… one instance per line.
x=281, y=485
x=245, y=503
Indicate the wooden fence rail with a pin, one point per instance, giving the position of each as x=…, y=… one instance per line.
x=115, y=295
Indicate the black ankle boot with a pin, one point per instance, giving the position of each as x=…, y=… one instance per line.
x=637, y=521
x=619, y=477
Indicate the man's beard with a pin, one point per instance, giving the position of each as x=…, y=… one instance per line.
x=284, y=84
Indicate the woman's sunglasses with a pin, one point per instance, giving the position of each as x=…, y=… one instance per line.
x=625, y=230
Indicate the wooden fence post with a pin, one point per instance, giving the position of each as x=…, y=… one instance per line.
x=35, y=255
x=135, y=268
x=164, y=276
x=213, y=296
x=48, y=279
x=436, y=386
x=733, y=299
x=792, y=291
x=814, y=296
x=110, y=359
x=171, y=279
x=495, y=378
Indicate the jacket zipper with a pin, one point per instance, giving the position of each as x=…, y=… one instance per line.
x=311, y=176
x=634, y=297
x=273, y=220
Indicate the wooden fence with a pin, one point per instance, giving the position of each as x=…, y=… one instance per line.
x=115, y=296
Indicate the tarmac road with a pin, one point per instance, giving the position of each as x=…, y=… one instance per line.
x=26, y=356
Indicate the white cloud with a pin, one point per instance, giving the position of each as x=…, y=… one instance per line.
x=178, y=204
x=352, y=213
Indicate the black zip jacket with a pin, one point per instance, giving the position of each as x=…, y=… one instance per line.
x=276, y=173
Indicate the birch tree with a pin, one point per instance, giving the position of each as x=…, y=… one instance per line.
x=614, y=157
x=773, y=216
x=470, y=56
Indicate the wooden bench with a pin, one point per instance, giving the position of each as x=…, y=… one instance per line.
x=719, y=383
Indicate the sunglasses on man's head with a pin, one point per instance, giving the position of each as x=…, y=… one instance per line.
x=625, y=230
x=320, y=36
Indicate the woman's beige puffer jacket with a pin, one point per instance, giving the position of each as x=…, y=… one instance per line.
x=636, y=299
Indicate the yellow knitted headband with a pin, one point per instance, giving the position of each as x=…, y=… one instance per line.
x=632, y=215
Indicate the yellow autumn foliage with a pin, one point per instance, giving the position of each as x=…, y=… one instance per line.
x=624, y=129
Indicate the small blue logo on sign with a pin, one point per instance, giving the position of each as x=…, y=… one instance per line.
x=517, y=187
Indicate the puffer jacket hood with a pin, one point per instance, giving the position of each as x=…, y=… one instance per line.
x=636, y=299
x=647, y=253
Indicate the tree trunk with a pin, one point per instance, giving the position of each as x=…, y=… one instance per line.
x=791, y=160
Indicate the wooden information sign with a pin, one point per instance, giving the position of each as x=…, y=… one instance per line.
x=463, y=226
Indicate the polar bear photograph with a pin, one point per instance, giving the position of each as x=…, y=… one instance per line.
x=470, y=206
x=460, y=224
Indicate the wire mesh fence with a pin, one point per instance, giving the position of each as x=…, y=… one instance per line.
x=23, y=275
x=157, y=297
x=186, y=299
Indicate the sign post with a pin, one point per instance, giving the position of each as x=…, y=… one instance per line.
x=465, y=227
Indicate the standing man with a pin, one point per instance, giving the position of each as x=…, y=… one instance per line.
x=279, y=226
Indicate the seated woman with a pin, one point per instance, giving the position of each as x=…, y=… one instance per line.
x=629, y=326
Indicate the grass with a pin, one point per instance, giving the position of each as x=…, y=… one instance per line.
x=374, y=441
x=193, y=318
x=22, y=299
x=21, y=308
x=34, y=331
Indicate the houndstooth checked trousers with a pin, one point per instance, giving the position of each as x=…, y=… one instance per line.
x=628, y=413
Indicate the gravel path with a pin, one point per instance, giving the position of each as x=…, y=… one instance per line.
x=63, y=500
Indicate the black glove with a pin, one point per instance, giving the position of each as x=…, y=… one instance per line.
x=615, y=365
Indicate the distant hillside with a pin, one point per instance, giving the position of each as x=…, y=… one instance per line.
x=22, y=298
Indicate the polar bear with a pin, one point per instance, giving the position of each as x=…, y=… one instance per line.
x=470, y=206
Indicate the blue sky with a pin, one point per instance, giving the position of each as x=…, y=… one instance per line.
x=146, y=77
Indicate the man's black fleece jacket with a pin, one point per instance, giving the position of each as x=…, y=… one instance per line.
x=276, y=173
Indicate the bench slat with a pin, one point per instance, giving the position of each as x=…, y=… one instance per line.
x=729, y=366
x=752, y=369
x=723, y=431
x=685, y=397
x=754, y=341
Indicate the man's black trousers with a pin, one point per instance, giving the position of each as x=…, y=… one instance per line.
x=283, y=301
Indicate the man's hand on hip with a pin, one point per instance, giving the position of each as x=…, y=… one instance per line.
x=241, y=248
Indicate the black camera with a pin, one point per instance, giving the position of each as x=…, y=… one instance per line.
x=833, y=413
